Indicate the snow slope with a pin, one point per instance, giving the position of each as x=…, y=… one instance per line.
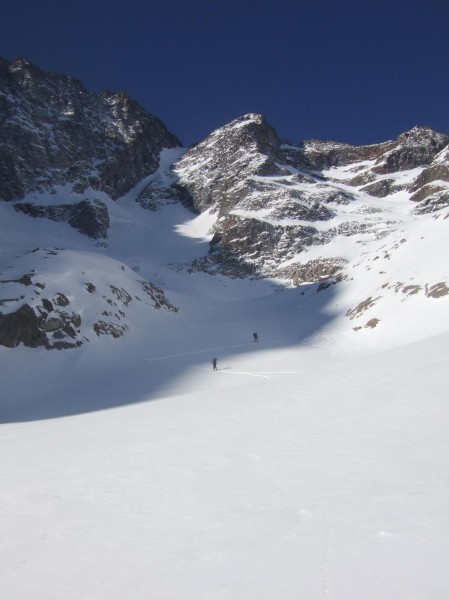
x=311, y=465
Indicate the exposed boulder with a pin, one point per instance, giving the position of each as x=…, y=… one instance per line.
x=379, y=189
x=21, y=327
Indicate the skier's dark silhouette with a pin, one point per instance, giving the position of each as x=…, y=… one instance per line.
x=214, y=363
x=256, y=338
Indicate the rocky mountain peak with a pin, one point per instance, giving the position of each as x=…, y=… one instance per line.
x=414, y=148
x=55, y=132
x=277, y=203
x=250, y=132
x=122, y=105
x=21, y=63
x=423, y=135
x=297, y=212
x=251, y=129
x=215, y=173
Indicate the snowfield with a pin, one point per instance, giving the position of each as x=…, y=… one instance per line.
x=312, y=465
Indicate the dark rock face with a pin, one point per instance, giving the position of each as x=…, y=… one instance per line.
x=53, y=131
x=319, y=155
x=414, y=148
x=156, y=195
x=44, y=324
x=379, y=189
x=157, y=296
x=37, y=328
x=90, y=218
x=26, y=327
x=21, y=326
x=438, y=170
x=313, y=270
x=411, y=149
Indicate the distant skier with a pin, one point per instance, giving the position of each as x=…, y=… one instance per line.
x=256, y=338
x=214, y=363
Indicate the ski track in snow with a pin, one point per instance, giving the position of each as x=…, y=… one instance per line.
x=279, y=372
x=229, y=372
x=326, y=559
x=209, y=350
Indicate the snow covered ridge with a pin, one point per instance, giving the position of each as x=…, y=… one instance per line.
x=302, y=211
x=63, y=298
x=94, y=175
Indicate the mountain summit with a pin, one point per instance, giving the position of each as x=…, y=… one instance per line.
x=276, y=202
x=88, y=181
x=55, y=132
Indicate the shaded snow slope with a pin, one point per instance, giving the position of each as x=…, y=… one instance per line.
x=313, y=464
x=60, y=291
x=289, y=472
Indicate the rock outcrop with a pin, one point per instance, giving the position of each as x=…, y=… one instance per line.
x=297, y=212
x=275, y=201
x=41, y=307
x=55, y=132
x=88, y=217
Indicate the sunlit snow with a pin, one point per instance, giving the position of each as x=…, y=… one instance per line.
x=312, y=465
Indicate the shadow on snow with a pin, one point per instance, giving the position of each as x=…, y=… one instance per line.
x=111, y=373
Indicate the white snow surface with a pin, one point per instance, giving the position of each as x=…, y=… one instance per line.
x=312, y=465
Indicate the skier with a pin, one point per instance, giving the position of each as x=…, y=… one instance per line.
x=256, y=338
x=214, y=363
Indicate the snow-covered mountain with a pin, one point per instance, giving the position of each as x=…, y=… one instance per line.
x=312, y=464
x=65, y=154
x=282, y=210
x=88, y=178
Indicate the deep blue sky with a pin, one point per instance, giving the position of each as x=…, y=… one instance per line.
x=360, y=71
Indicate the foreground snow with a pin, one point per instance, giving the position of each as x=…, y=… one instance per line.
x=288, y=473
x=312, y=465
